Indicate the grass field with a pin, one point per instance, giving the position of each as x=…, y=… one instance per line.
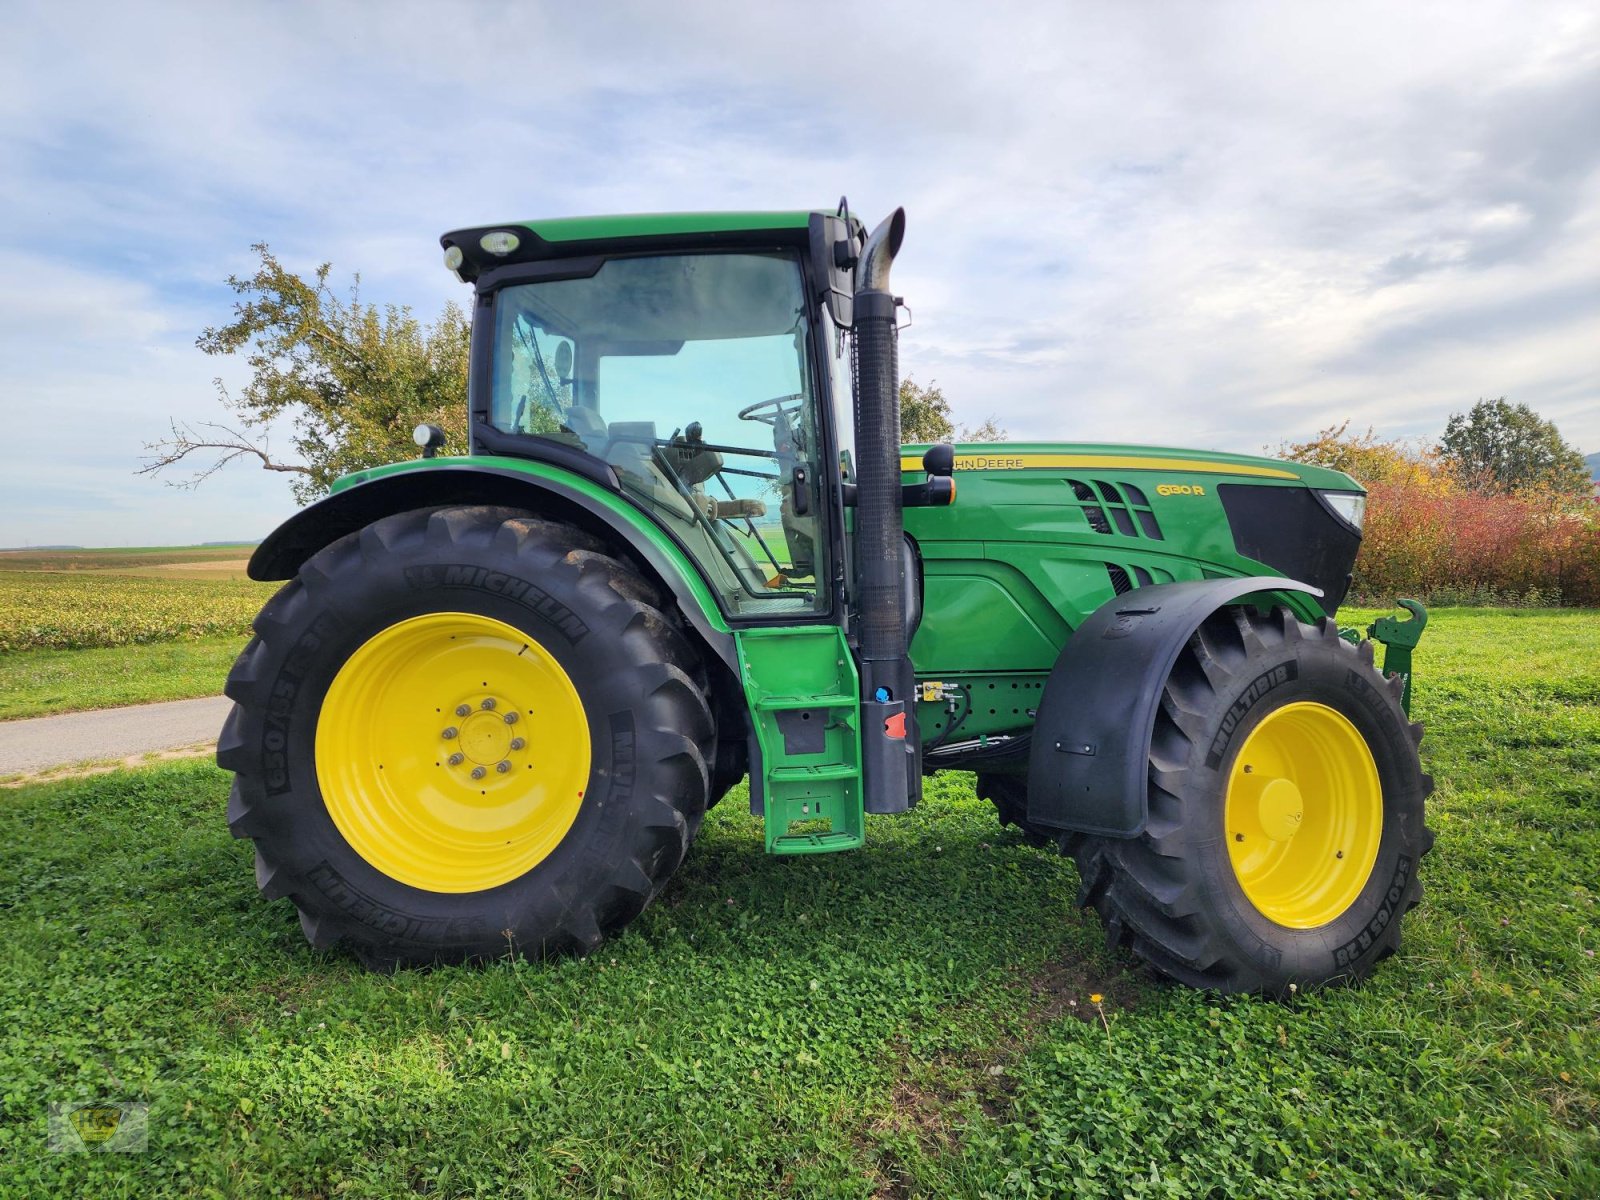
x=37, y=682
x=911, y=1020
x=98, y=628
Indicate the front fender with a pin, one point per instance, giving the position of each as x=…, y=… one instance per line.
x=1091, y=741
x=548, y=491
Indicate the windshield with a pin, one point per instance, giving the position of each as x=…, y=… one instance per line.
x=690, y=375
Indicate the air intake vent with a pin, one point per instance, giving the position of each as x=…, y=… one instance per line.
x=1120, y=580
x=1092, y=512
x=1115, y=508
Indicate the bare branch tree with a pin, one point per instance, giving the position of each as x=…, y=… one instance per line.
x=344, y=381
x=226, y=442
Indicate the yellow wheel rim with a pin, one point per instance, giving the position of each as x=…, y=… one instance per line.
x=452, y=752
x=1304, y=815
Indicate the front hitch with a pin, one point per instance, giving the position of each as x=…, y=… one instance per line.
x=1399, y=638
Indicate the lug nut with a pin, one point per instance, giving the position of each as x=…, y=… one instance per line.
x=502, y=766
x=463, y=710
x=455, y=760
x=517, y=743
x=478, y=772
x=511, y=718
x=450, y=732
x=488, y=705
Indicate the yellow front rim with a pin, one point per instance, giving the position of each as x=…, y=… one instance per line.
x=452, y=752
x=1304, y=815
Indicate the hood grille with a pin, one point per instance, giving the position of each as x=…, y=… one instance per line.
x=1116, y=509
x=1121, y=583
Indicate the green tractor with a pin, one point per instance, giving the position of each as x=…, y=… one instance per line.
x=494, y=700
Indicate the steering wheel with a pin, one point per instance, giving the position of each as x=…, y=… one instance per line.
x=767, y=411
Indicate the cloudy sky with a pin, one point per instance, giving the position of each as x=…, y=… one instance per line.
x=1218, y=224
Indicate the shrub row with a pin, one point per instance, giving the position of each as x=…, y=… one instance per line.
x=1429, y=538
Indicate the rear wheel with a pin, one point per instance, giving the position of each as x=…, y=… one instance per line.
x=1286, y=814
x=463, y=731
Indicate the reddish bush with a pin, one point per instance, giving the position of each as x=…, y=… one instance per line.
x=1431, y=538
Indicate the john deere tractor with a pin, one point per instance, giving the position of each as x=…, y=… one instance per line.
x=498, y=692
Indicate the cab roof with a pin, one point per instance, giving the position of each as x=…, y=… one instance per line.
x=560, y=236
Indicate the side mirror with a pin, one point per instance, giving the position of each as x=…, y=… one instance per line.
x=940, y=460
x=835, y=250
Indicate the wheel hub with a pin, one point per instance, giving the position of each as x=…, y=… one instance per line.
x=1280, y=809
x=486, y=737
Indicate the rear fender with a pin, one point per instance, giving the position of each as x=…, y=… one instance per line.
x=546, y=491
x=1091, y=742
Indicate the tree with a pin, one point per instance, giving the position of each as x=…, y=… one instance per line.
x=353, y=381
x=1367, y=458
x=1505, y=448
x=925, y=417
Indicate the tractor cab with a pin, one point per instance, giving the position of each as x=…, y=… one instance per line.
x=699, y=375
x=690, y=376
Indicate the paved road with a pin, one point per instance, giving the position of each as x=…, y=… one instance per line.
x=40, y=743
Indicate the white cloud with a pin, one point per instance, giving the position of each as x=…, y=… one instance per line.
x=1227, y=224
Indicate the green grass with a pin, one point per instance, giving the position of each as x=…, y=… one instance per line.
x=36, y=682
x=912, y=1019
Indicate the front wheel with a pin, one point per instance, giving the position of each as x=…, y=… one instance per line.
x=1286, y=814
x=465, y=731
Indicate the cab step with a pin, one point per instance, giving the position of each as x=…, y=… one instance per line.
x=804, y=693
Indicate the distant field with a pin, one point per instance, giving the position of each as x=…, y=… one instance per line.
x=86, y=599
x=125, y=558
x=71, y=610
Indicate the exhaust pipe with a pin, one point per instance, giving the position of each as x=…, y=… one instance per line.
x=877, y=256
x=891, y=772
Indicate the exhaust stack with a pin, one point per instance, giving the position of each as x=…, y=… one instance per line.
x=891, y=768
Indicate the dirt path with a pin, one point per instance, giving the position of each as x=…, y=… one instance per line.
x=45, y=745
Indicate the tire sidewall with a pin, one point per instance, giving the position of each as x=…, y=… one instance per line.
x=1330, y=673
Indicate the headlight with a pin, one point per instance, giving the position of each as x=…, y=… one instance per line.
x=1352, y=506
x=500, y=243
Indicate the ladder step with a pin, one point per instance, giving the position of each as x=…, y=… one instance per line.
x=815, y=843
x=787, y=703
x=810, y=774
